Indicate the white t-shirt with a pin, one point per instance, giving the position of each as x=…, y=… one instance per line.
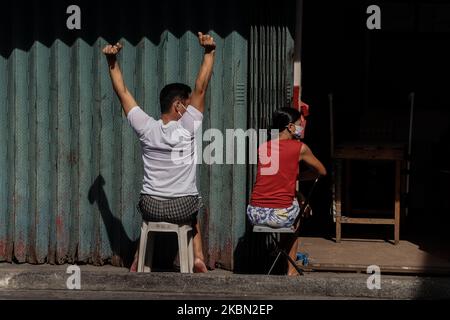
x=168, y=152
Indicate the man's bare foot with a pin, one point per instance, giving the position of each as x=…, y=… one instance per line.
x=199, y=266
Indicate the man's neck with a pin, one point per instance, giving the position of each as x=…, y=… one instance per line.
x=166, y=118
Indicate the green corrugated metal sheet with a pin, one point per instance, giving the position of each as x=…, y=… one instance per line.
x=70, y=164
x=270, y=87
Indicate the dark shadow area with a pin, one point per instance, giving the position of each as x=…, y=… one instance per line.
x=165, y=257
x=371, y=74
x=321, y=200
x=123, y=247
x=254, y=254
x=428, y=224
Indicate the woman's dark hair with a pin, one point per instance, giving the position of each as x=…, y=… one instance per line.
x=283, y=116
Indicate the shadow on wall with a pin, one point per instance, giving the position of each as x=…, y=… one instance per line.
x=122, y=246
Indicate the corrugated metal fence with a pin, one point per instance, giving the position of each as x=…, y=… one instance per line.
x=70, y=166
x=271, y=60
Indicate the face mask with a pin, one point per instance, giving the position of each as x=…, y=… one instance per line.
x=298, y=131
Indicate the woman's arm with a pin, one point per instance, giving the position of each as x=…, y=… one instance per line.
x=307, y=156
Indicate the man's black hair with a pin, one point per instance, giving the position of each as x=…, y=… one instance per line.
x=283, y=116
x=171, y=92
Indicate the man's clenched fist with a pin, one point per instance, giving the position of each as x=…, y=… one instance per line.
x=112, y=50
x=206, y=41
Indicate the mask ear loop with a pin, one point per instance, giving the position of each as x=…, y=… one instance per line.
x=182, y=104
x=179, y=113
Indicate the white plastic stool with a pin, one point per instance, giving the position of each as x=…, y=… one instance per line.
x=185, y=246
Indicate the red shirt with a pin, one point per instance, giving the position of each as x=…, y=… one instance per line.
x=278, y=167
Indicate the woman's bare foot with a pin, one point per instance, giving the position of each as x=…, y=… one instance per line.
x=199, y=266
x=134, y=265
x=293, y=272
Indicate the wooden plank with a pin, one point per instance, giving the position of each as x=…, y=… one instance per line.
x=384, y=269
x=365, y=152
x=359, y=155
x=366, y=220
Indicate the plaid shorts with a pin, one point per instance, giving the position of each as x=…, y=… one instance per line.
x=177, y=210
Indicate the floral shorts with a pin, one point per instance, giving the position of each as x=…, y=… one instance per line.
x=274, y=218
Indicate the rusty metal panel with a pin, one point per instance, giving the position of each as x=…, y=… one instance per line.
x=4, y=163
x=70, y=165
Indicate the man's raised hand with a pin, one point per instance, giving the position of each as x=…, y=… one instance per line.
x=112, y=50
x=207, y=42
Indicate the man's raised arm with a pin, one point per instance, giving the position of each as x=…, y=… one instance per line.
x=125, y=97
x=204, y=75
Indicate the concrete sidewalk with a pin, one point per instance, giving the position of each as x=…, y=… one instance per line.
x=218, y=284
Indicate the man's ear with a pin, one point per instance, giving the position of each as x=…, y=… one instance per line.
x=174, y=105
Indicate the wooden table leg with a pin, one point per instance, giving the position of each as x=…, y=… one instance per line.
x=397, y=201
x=337, y=185
x=338, y=228
x=346, y=186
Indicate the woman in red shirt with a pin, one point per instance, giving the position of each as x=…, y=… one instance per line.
x=273, y=201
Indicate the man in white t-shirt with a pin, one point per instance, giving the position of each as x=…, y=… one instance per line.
x=169, y=192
